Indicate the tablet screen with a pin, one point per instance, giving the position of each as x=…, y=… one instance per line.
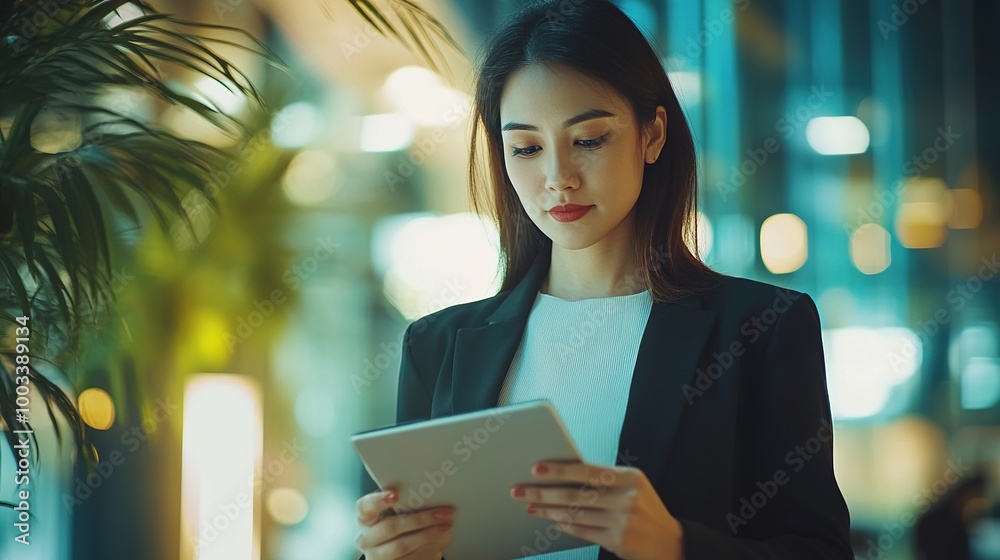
x=471, y=461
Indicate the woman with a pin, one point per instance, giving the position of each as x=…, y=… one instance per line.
x=704, y=394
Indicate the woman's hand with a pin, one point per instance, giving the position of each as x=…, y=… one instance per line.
x=615, y=507
x=420, y=535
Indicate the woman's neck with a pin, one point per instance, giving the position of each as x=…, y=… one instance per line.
x=591, y=272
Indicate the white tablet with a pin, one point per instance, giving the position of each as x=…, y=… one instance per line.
x=471, y=461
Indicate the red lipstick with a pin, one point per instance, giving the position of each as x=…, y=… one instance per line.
x=569, y=212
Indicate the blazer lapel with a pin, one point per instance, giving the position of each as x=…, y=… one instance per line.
x=673, y=340
x=671, y=343
x=483, y=354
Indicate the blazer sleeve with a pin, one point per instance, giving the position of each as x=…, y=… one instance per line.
x=806, y=517
x=413, y=399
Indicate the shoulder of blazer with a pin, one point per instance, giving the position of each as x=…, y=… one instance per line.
x=742, y=296
x=751, y=311
x=430, y=336
x=741, y=305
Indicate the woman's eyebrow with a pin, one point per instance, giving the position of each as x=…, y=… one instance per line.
x=584, y=116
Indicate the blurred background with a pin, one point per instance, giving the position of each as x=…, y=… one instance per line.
x=846, y=150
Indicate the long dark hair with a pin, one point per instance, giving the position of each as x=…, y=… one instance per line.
x=596, y=39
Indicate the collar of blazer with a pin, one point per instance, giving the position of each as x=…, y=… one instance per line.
x=672, y=341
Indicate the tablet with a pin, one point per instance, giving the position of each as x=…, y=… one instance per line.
x=471, y=461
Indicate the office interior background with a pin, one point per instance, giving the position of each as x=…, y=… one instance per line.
x=847, y=149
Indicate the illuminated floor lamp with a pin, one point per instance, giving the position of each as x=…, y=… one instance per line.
x=221, y=463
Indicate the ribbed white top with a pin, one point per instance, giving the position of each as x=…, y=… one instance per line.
x=580, y=355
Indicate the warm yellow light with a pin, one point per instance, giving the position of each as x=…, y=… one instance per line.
x=287, y=506
x=921, y=225
x=783, y=243
x=870, y=248
x=966, y=209
x=56, y=130
x=96, y=408
x=921, y=222
x=207, y=341
x=309, y=178
x=432, y=262
x=420, y=95
x=221, y=461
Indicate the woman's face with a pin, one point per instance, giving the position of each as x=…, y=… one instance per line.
x=571, y=140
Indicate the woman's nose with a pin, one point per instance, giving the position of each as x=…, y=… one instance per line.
x=562, y=172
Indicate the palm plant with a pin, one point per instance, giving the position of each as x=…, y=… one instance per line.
x=54, y=239
x=58, y=198
x=417, y=24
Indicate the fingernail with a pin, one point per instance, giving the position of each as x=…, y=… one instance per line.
x=541, y=469
x=443, y=514
x=391, y=496
x=444, y=527
x=518, y=491
x=532, y=510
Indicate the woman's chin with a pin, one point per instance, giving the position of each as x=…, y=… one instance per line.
x=572, y=242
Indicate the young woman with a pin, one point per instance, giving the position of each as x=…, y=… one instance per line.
x=701, y=398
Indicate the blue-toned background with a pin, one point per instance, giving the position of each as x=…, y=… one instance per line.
x=847, y=148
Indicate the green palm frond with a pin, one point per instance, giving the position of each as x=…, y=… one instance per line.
x=417, y=23
x=58, y=208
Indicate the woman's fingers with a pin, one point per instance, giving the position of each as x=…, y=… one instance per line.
x=422, y=544
x=585, y=473
x=432, y=550
x=370, y=506
x=619, y=498
x=397, y=535
x=411, y=535
x=580, y=517
x=398, y=524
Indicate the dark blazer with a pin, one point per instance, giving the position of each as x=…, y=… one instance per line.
x=728, y=412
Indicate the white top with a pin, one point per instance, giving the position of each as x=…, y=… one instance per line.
x=580, y=356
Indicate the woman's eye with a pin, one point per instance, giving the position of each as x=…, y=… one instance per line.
x=595, y=143
x=591, y=144
x=529, y=151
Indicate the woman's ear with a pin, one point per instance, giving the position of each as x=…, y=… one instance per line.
x=655, y=135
